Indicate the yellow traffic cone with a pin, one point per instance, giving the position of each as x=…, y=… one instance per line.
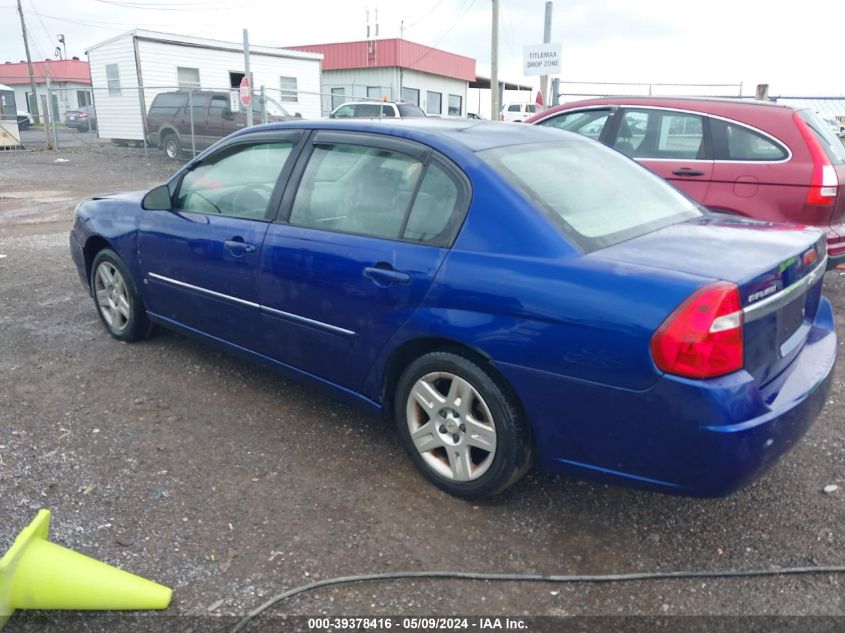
x=38, y=574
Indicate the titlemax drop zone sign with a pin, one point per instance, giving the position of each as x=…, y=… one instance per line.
x=541, y=59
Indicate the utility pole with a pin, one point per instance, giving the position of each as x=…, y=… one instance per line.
x=547, y=37
x=494, y=65
x=34, y=105
x=248, y=75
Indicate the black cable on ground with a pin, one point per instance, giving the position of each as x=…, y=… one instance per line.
x=588, y=578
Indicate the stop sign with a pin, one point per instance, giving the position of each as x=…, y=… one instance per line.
x=245, y=92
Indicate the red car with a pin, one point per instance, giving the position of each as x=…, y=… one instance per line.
x=761, y=160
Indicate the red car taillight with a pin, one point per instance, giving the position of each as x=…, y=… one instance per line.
x=825, y=184
x=702, y=338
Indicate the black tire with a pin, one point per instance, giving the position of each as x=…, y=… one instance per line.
x=171, y=146
x=497, y=469
x=126, y=321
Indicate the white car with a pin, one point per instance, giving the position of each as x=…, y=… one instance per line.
x=517, y=112
x=376, y=110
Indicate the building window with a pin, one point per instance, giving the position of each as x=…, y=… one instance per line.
x=188, y=77
x=411, y=95
x=338, y=97
x=375, y=92
x=83, y=98
x=433, y=103
x=455, y=105
x=113, y=79
x=289, y=90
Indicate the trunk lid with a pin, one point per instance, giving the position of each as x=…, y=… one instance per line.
x=777, y=267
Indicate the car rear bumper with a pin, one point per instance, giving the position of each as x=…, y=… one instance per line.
x=700, y=438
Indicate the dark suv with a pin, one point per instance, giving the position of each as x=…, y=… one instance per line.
x=169, y=119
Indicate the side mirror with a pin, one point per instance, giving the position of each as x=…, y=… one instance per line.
x=157, y=199
x=298, y=115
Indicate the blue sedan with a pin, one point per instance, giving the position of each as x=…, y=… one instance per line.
x=509, y=295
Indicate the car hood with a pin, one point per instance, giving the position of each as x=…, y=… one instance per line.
x=123, y=196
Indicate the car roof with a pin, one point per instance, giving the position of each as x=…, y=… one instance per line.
x=716, y=105
x=470, y=134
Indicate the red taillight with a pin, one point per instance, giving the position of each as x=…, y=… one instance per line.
x=82, y=116
x=809, y=257
x=825, y=184
x=702, y=338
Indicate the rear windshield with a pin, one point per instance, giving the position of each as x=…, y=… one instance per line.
x=597, y=196
x=831, y=144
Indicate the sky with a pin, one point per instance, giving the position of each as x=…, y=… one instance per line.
x=796, y=48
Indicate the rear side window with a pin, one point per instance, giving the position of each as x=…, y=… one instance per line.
x=513, y=108
x=434, y=206
x=168, y=103
x=741, y=143
x=660, y=134
x=356, y=189
x=596, y=196
x=589, y=123
x=831, y=145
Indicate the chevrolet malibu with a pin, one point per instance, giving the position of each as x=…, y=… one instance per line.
x=508, y=295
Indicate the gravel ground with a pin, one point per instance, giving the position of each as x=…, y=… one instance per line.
x=229, y=484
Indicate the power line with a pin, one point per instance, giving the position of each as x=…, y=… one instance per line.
x=423, y=18
x=467, y=9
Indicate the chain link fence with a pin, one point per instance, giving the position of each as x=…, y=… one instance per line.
x=181, y=121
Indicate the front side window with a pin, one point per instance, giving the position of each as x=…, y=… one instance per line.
x=345, y=112
x=289, y=89
x=660, y=134
x=589, y=123
x=188, y=77
x=433, y=103
x=514, y=107
x=596, y=196
x=219, y=108
x=113, y=79
x=356, y=189
x=237, y=184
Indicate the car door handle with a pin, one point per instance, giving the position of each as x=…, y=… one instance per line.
x=688, y=172
x=383, y=274
x=238, y=247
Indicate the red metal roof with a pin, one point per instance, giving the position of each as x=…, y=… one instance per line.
x=390, y=53
x=59, y=69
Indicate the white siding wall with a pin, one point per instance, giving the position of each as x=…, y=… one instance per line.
x=355, y=83
x=118, y=116
x=159, y=61
x=435, y=83
x=65, y=96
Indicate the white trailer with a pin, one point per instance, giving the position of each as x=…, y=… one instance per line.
x=129, y=70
